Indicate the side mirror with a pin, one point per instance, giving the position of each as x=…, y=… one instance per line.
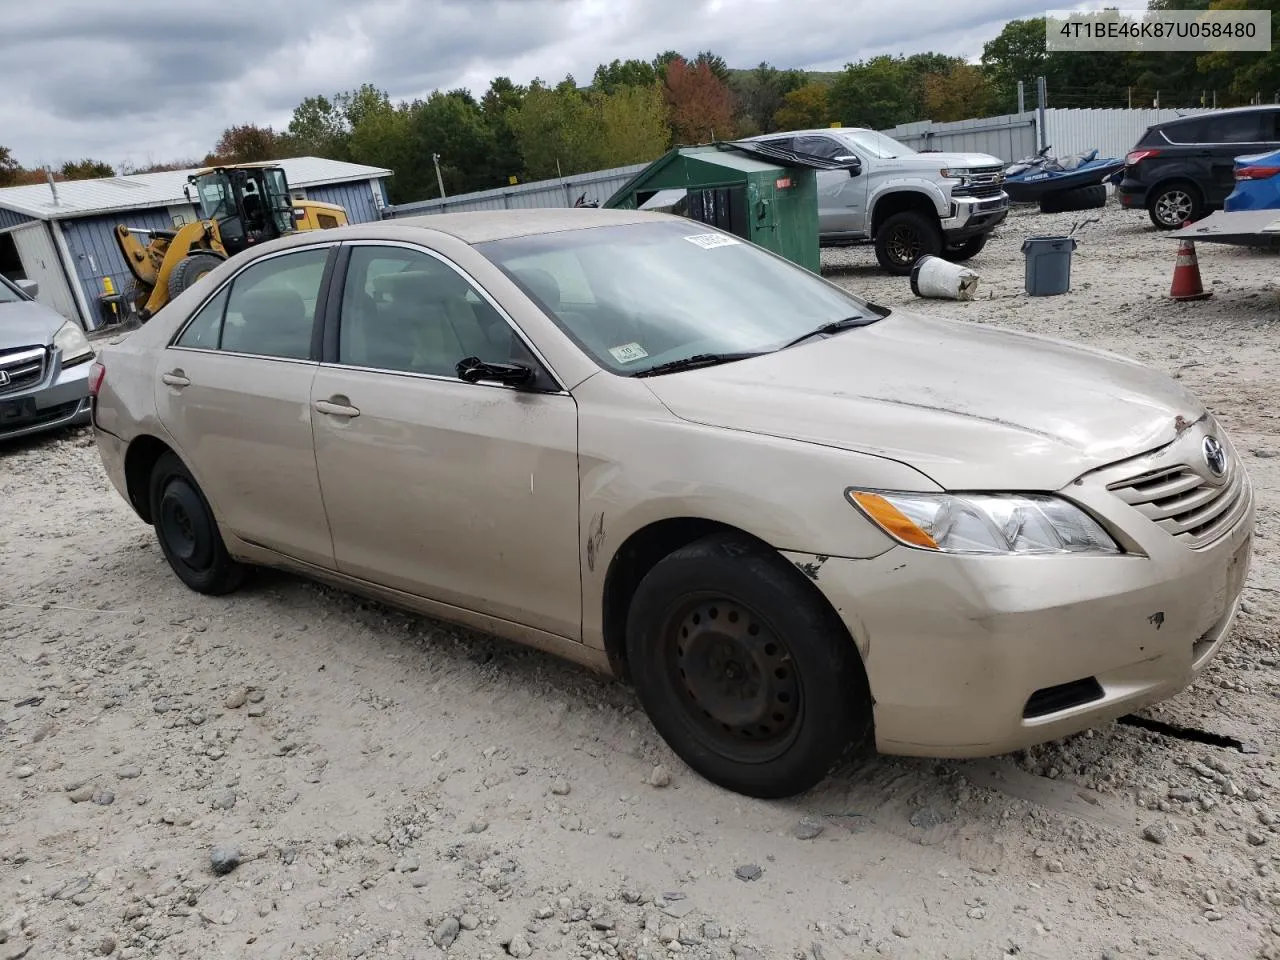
x=30, y=287
x=855, y=165
x=473, y=370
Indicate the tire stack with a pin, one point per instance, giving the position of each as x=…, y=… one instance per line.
x=1078, y=198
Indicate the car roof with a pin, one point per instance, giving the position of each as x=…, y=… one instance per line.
x=474, y=226
x=1228, y=111
x=811, y=132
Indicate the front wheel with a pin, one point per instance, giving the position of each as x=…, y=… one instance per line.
x=966, y=249
x=906, y=237
x=744, y=670
x=188, y=532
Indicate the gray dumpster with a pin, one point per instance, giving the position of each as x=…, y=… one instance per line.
x=1048, y=265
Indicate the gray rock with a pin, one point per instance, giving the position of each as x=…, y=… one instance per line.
x=256, y=696
x=81, y=795
x=659, y=777
x=224, y=859
x=469, y=921
x=23, y=772
x=519, y=947
x=1255, y=838
x=926, y=818
x=807, y=828
x=131, y=772
x=977, y=913
x=749, y=871
x=225, y=800
x=1155, y=833
x=902, y=930
x=103, y=798
x=446, y=932
x=711, y=931
x=1182, y=795
x=407, y=865
x=1252, y=794
x=478, y=826
x=560, y=787
x=236, y=700
x=107, y=946
x=418, y=881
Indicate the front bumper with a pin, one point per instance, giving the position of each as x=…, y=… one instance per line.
x=977, y=656
x=60, y=400
x=974, y=215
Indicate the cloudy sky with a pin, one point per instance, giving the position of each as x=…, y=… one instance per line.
x=160, y=79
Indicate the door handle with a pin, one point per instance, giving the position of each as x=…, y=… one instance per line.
x=335, y=408
x=176, y=378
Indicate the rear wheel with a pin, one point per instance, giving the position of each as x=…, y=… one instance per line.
x=1077, y=198
x=189, y=270
x=748, y=676
x=1173, y=204
x=188, y=532
x=966, y=249
x=904, y=238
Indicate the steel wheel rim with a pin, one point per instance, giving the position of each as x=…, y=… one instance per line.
x=735, y=677
x=904, y=245
x=184, y=527
x=1174, y=207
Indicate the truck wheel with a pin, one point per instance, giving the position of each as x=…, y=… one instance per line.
x=1077, y=198
x=904, y=238
x=1175, y=203
x=966, y=249
x=190, y=269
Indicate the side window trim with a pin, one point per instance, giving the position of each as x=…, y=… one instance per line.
x=331, y=246
x=333, y=311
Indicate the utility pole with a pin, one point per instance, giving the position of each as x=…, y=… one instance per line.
x=1022, y=97
x=1130, y=89
x=1041, y=95
x=435, y=158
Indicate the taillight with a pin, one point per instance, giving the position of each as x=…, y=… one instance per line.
x=97, y=373
x=1135, y=157
x=1256, y=173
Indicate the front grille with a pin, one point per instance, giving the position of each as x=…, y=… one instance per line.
x=982, y=182
x=1186, y=504
x=22, y=369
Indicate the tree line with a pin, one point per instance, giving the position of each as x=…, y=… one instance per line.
x=633, y=110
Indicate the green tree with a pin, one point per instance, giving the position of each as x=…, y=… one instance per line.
x=960, y=93
x=803, y=109
x=713, y=62
x=877, y=93
x=318, y=129
x=499, y=104
x=452, y=125
x=247, y=143
x=1016, y=53
x=759, y=94
x=387, y=139
x=632, y=124
x=554, y=130
x=611, y=77
x=86, y=169
x=10, y=169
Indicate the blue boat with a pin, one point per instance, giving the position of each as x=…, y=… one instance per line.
x=1035, y=178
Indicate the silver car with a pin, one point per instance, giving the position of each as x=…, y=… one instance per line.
x=44, y=364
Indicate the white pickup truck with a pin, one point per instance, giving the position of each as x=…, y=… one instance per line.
x=908, y=204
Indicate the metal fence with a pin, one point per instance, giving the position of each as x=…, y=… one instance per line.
x=1009, y=137
x=1113, y=132
x=561, y=192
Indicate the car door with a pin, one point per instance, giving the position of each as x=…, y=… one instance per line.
x=463, y=493
x=842, y=196
x=1228, y=136
x=234, y=391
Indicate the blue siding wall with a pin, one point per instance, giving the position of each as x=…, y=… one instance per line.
x=10, y=219
x=95, y=254
x=356, y=198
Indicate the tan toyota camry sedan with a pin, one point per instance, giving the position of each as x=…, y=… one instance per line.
x=800, y=523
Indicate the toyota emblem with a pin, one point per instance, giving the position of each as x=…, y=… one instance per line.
x=1215, y=457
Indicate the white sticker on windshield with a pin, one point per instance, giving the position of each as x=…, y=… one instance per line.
x=629, y=353
x=708, y=240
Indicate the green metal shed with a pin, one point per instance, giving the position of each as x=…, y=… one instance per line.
x=769, y=204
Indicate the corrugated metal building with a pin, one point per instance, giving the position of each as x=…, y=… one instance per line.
x=597, y=186
x=67, y=243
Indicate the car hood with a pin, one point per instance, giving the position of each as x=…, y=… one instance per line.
x=27, y=324
x=937, y=161
x=968, y=405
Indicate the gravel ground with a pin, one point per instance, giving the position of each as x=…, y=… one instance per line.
x=292, y=772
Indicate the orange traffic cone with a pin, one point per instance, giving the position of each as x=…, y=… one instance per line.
x=1186, y=273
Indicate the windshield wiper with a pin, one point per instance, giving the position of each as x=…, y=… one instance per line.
x=835, y=326
x=695, y=361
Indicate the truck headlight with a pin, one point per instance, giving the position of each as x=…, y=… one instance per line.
x=984, y=523
x=954, y=173
x=71, y=342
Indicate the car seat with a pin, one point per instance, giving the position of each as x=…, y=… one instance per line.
x=275, y=323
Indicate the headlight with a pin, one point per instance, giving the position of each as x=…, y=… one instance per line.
x=73, y=344
x=954, y=173
x=998, y=523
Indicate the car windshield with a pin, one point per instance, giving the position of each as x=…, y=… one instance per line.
x=7, y=292
x=876, y=144
x=643, y=295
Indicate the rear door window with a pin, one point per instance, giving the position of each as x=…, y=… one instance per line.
x=1234, y=128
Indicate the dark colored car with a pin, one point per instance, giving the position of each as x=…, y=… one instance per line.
x=44, y=365
x=1184, y=169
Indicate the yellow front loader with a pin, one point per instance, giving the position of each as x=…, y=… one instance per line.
x=241, y=205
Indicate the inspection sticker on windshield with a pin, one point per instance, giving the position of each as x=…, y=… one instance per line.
x=629, y=353
x=708, y=240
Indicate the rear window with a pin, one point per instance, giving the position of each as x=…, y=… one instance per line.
x=1234, y=128
x=1188, y=131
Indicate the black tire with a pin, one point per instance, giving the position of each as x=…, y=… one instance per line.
x=904, y=238
x=1078, y=198
x=1171, y=204
x=188, y=532
x=727, y=630
x=190, y=269
x=966, y=249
